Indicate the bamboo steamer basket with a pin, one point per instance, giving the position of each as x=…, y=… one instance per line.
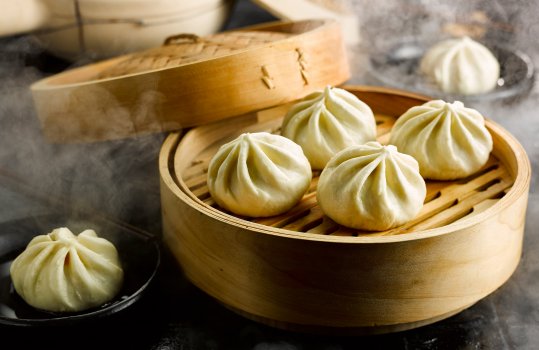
x=104, y=28
x=191, y=81
x=301, y=271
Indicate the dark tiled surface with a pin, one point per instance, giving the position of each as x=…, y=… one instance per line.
x=104, y=177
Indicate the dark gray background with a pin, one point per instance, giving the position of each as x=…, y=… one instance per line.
x=106, y=177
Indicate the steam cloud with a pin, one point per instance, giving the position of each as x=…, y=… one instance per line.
x=118, y=179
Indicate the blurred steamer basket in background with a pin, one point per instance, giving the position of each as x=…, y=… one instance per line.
x=104, y=28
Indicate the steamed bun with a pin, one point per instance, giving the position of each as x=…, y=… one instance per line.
x=371, y=187
x=325, y=122
x=258, y=175
x=461, y=66
x=448, y=140
x=62, y=272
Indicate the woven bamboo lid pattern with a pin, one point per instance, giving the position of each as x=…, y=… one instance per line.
x=191, y=81
x=187, y=48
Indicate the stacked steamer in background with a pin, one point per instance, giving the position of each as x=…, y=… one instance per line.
x=297, y=268
x=104, y=28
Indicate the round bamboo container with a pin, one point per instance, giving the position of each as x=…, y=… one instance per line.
x=191, y=81
x=302, y=271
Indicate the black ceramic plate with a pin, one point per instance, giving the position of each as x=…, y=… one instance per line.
x=397, y=65
x=138, y=252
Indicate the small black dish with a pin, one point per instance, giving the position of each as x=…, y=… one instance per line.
x=139, y=254
x=397, y=65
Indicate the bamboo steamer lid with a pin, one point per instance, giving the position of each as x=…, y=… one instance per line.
x=191, y=81
x=302, y=271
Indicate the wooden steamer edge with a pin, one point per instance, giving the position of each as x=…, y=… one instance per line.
x=348, y=285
